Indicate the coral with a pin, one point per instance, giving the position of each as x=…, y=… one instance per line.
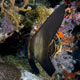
x=62, y=62
x=10, y=18
x=11, y=8
x=10, y=21
x=38, y=15
x=76, y=17
x=42, y=13
x=6, y=25
x=61, y=59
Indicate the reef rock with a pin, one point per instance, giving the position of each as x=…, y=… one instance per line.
x=9, y=72
x=25, y=75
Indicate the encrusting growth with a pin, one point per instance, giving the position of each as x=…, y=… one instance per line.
x=10, y=9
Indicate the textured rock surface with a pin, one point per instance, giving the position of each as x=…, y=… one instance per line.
x=9, y=72
x=29, y=76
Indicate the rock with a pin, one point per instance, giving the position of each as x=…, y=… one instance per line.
x=25, y=75
x=9, y=72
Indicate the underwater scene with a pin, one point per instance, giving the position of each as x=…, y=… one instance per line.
x=39, y=39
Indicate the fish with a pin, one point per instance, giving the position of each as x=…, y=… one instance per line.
x=38, y=43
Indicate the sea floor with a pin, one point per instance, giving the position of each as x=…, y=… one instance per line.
x=24, y=67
